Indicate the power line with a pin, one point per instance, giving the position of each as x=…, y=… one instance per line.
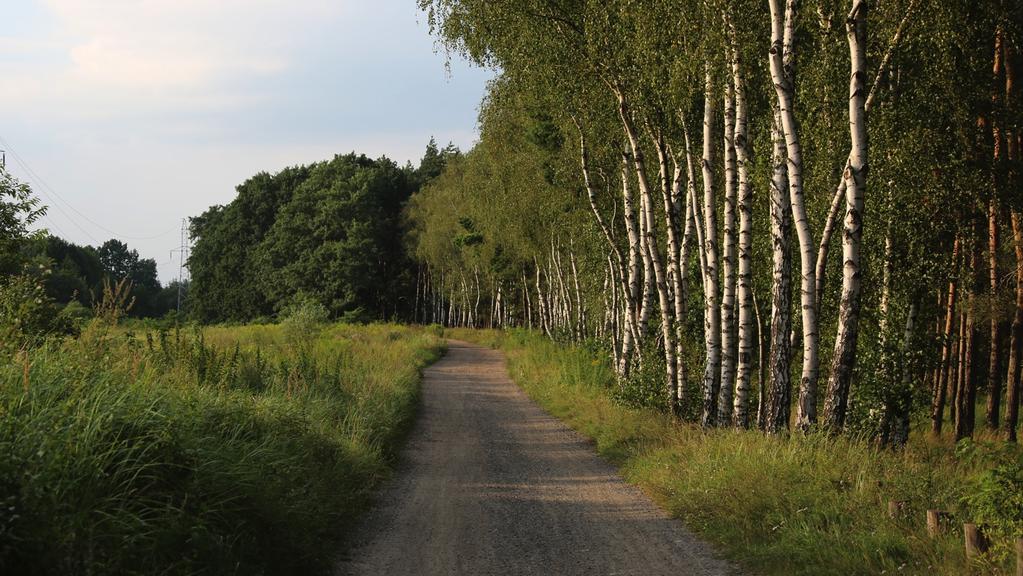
x=44, y=187
x=57, y=206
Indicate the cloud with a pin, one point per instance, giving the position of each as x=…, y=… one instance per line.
x=122, y=57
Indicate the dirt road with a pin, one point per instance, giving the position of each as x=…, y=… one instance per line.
x=490, y=484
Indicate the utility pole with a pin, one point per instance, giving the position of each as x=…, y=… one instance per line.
x=3, y=159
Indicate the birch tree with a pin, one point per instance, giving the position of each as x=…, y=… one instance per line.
x=782, y=64
x=855, y=177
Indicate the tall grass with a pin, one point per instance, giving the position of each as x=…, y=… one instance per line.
x=781, y=506
x=244, y=450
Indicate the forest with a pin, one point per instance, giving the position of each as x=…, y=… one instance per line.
x=792, y=216
x=330, y=233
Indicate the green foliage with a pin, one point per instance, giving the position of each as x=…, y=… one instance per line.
x=331, y=230
x=303, y=319
x=644, y=388
x=995, y=501
x=27, y=314
x=77, y=274
x=225, y=451
x=18, y=210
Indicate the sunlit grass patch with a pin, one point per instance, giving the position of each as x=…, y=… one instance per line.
x=781, y=506
x=223, y=450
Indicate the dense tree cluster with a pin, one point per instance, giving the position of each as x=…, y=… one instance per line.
x=330, y=232
x=674, y=178
x=76, y=274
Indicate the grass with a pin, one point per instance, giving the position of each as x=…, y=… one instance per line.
x=245, y=450
x=797, y=506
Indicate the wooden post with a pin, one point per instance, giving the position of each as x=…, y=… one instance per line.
x=897, y=508
x=976, y=543
x=934, y=527
x=1019, y=556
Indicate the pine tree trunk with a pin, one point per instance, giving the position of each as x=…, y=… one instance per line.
x=994, y=374
x=782, y=64
x=945, y=370
x=1014, y=376
x=844, y=359
x=1013, y=380
x=956, y=384
x=778, y=404
x=966, y=397
x=712, y=326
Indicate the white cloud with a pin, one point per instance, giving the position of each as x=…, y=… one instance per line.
x=127, y=56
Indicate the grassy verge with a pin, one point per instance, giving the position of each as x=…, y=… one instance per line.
x=798, y=506
x=245, y=450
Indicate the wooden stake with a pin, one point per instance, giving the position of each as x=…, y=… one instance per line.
x=976, y=543
x=934, y=525
x=897, y=508
x=1019, y=556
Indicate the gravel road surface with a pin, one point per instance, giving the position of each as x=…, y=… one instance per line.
x=490, y=484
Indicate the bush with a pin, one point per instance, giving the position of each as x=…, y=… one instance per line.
x=27, y=314
x=996, y=503
x=303, y=319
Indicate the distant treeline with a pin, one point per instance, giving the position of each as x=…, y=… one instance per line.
x=70, y=273
x=330, y=232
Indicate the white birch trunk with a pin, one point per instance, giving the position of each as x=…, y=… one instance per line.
x=681, y=305
x=580, y=314
x=671, y=194
x=711, y=384
x=836, y=402
x=782, y=64
x=747, y=331
x=649, y=280
x=632, y=294
x=838, y=199
x=777, y=405
x=728, y=345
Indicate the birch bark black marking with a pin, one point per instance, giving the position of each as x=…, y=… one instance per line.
x=745, y=248
x=844, y=359
x=777, y=410
x=728, y=344
x=782, y=65
x=711, y=383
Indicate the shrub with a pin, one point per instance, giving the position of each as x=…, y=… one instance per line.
x=996, y=503
x=303, y=318
x=27, y=314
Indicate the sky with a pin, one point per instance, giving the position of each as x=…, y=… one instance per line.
x=126, y=116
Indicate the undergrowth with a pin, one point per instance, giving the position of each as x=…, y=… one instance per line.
x=803, y=505
x=245, y=450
